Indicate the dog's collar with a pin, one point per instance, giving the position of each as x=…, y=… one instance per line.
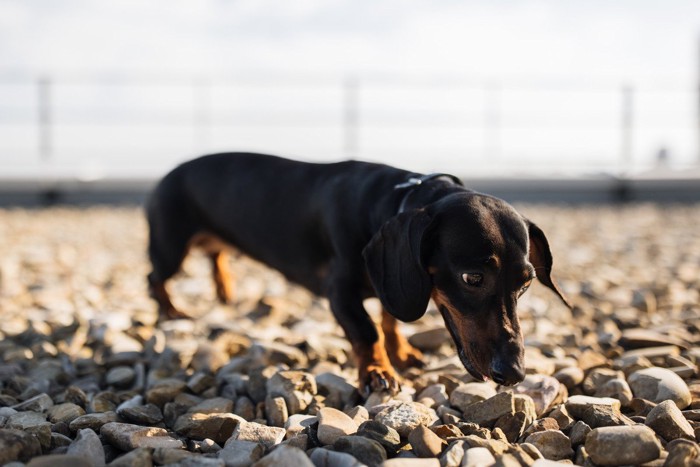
x=414, y=182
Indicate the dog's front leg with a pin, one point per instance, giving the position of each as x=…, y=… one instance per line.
x=375, y=370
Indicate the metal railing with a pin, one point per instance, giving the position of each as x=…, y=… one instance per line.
x=138, y=125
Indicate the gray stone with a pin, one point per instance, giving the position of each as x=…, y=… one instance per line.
x=88, y=446
x=120, y=376
x=384, y=435
x=276, y=411
x=467, y=394
x=603, y=445
x=487, y=412
x=668, y=422
x=65, y=413
x=140, y=457
x=553, y=444
x=405, y=417
x=252, y=431
x=570, y=376
x=16, y=445
x=127, y=437
x=239, y=453
x=285, y=455
x=425, y=443
x=454, y=453
x=213, y=405
x=39, y=403
x=59, y=460
x=34, y=423
x=327, y=458
x=578, y=433
x=297, y=423
x=478, y=457
x=365, y=450
x=332, y=424
x=148, y=414
x=659, y=384
x=93, y=421
x=541, y=388
x=337, y=390
x=296, y=387
x=216, y=426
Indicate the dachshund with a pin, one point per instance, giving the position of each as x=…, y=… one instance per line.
x=353, y=230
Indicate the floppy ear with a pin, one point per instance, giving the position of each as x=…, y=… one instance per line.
x=393, y=260
x=541, y=259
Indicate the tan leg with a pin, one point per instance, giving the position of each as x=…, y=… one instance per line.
x=222, y=276
x=402, y=354
x=376, y=371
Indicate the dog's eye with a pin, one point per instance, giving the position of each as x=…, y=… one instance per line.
x=524, y=288
x=473, y=278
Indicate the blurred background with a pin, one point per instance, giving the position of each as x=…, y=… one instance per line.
x=592, y=95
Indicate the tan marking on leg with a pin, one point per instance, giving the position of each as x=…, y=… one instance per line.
x=376, y=371
x=402, y=354
x=222, y=276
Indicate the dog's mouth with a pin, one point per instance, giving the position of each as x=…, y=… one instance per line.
x=462, y=352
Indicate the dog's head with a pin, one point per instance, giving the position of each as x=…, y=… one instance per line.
x=475, y=256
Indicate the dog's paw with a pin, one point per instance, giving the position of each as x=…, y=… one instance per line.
x=378, y=378
x=406, y=357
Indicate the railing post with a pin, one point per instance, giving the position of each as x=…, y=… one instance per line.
x=44, y=120
x=351, y=117
x=626, y=147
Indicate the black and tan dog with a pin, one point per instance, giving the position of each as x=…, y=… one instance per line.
x=352, y=230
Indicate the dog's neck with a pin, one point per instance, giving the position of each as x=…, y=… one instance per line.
x=415, y=183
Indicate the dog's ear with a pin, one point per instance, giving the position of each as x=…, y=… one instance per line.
x=541, y=259
x=393, y=259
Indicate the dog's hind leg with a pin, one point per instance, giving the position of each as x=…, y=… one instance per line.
x=401, y=353
x=222, y=276
x=167, y=248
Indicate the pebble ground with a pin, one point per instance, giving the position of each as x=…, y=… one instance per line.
x=87, y=378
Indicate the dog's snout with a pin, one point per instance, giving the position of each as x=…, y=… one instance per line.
x=505, y=372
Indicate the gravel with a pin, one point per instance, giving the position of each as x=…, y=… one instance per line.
x=87, y=374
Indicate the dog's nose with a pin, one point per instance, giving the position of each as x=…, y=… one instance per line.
x=506, y=373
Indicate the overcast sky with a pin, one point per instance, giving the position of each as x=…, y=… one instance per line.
x=624, y=38
x=640, y=42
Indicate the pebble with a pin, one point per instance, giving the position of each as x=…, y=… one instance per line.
x=541, y=388
x=332, y=424
x=405, y=417
x=257, y=432
x=365, y=450
x=285, y=455
x=659, y=384
x=384, y=435
x=425, y=443
x=126, y=436
x=278, y=359
x=487, y=412
x=239, y=453
x=668, y=422
x=216, y=426
x=477, y=457
x=466, y=394
x=65, y=413
x=553, y=444
x=87, y=445
x=327, y=458
x=16, y=445
x=603, y=445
